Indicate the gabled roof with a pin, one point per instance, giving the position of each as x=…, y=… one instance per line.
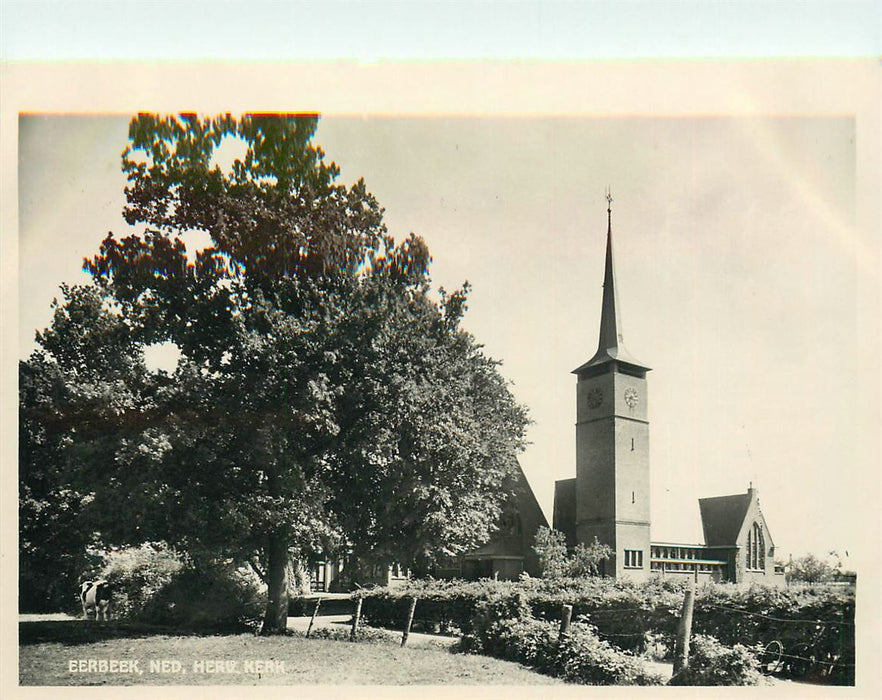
x=528, y=505
x=610, y=345
x=564, y=517
x=758, y=517
x=527, y=508
x=722, y=518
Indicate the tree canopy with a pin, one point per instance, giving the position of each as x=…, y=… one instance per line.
x=812, y=569
x=325, y=398
x=556, y=561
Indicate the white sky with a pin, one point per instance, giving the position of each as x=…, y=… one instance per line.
x=436, y=29
x=737, y=258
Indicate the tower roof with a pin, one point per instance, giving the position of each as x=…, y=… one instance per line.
x=611, y=346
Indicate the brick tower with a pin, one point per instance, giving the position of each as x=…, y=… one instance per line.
x=612, y=442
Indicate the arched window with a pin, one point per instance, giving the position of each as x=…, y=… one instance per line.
x=748, y=551
x=756, y=548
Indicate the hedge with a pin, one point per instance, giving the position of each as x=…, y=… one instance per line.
x=621, y=612
x=631, y=615
x=816, y=623
x=504, y=628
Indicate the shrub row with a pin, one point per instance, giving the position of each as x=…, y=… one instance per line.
x=301, y=606
x=621, y=612
x=503, y=627
x=816, y=623
x=630, y=615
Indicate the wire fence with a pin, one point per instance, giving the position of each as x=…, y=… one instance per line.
x=843, y=623
x=797, y=659
x=812, y=640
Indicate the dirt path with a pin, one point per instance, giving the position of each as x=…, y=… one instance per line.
x=47, y=617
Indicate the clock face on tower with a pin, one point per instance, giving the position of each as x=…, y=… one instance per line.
x=631, y=397
x=595, y=397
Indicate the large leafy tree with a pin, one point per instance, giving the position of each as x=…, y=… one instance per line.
x=322, y=398
x=812, y=569
x=76, y=398
x=429, y=430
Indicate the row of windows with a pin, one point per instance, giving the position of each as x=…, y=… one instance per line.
x=677, y=553
x=633, y=558
x=680, y=566
x=755, y=556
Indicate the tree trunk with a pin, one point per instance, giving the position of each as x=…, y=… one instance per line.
x=275, y=620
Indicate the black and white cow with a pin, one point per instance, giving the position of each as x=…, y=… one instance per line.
x=96, y=596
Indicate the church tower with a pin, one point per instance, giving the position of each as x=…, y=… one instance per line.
x=612, y=442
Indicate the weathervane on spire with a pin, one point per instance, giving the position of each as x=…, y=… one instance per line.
x=609, y=201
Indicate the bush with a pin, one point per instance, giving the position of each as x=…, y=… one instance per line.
x=818, y=621
x=587, y=658
x=442, y=606
x=556, y=562
x=154, y=583
x=622, y=612
x=711, y=663
x=213, y=596
x=643, y=617
x=138, y=574
x=505, y=629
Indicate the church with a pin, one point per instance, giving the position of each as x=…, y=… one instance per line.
x=608, y=499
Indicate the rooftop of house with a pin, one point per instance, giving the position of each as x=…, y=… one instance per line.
x=723, y=516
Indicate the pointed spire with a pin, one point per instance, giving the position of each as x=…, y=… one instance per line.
x=610, y=328
x=610, y=344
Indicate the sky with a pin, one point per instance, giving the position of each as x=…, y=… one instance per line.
x=436, y=29
x=738, y=261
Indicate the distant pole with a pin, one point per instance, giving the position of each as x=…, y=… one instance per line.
x=318, y=603
x=566, y=614
x=355, y=618
x=410, y=612
x=684, y=630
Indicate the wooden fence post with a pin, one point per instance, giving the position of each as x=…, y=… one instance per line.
x=410, y=612
x=566, y=615
x=355, y=618
x=318, y=602
x=684, y=630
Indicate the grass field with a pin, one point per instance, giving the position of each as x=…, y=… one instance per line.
x=77, y=653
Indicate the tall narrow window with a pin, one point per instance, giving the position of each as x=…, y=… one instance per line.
x=759, y=546
x=756, y=548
